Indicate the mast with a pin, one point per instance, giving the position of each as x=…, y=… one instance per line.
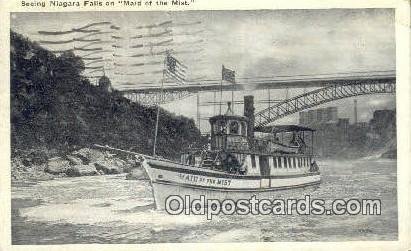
x=158, y=107
x=221, y=91
x=232, y=97
x=198, y=111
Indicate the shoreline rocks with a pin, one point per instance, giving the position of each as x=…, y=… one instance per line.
x=89, y=155
x=83, y=162
x=108, y=167
x=137, y=174
x=74, y=160
x=82, y=170
x=57, y=165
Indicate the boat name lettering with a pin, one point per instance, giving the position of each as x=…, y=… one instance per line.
x=204, y=180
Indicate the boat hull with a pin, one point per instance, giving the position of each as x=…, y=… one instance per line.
x=170, y=179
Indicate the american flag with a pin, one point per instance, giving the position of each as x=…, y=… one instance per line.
x=228, y=75
x=175, y=69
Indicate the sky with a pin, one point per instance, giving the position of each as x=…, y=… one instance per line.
x=256, y=43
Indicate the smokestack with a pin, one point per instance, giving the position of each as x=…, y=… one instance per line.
x=355, y=112
x=249, y=113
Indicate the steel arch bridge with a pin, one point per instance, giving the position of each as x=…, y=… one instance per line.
x=321, y=96
x=154, y=95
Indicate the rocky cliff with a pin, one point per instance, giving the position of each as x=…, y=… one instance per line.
x=55, y=111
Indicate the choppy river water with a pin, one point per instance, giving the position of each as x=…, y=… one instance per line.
x=111, y=209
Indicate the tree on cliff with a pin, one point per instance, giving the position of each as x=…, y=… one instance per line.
x=53, y=106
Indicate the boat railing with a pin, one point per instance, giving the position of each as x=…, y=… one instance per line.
x=270, y=146
x=238, y=146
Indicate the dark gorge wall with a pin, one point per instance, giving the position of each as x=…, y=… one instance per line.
x=54, y=108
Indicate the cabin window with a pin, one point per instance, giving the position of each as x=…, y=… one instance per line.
x=221, y=127
x=244, y=128
x=279, y=162
x=234, y=127
x=253, y=161
x=275, y=162
x=216, y=128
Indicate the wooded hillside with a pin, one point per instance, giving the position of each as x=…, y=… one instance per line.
x=54, y=107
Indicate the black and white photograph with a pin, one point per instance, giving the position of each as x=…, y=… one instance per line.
x=203, y=126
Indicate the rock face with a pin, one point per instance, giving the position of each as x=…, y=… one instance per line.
x=88, y=155
x=108, y=167
x=57, y=165
x=137, y=174
x=86, y=161
x=82, y=170
x=74, y=160
x=20, y=172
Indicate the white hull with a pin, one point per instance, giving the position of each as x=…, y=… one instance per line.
x=170, y=178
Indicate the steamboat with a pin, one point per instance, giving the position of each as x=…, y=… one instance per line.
x=239, y=162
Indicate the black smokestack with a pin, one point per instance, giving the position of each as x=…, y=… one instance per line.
x=249, y=113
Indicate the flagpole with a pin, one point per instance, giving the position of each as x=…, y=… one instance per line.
x=158, y=109
x=198, y=111
x=232, y=98
x=214, y=108
x=221, y=89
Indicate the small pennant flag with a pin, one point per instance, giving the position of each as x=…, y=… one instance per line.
x=228, y=75
x=175, y=69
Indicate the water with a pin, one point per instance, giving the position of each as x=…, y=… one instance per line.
x=110, y=209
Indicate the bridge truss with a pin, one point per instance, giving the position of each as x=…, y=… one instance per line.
x=156, y=95
x=321, y=96
x=154, y=98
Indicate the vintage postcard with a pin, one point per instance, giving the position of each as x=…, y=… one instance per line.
x=197, y=124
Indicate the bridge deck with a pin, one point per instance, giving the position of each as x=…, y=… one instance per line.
x=195, y=87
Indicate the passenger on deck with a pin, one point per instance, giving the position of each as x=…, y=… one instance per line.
x=294, y=140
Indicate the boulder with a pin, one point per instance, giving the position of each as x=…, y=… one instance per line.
x=26, y=161
x=74, y=160
x=82, y=170
x=137, y=174
x=108, y=167
x=38, y=157
x=130, y=164
x=57, y=165
x=118, y=163
x=88, y=155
